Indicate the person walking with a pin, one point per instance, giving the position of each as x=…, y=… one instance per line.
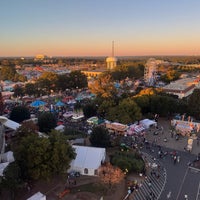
x=149, y=184
x=178, y=159
x=175, y=159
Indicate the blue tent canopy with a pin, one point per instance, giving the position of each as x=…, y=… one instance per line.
x=59, y=103
x=37, y=103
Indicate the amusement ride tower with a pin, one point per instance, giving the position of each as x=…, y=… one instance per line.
x=150, y=72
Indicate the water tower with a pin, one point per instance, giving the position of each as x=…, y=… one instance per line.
x=111, y=61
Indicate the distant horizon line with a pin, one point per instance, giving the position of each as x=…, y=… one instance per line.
x=171, y=55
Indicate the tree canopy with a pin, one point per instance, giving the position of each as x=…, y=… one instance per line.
x=103, y=86
x=7, y=73
x=89, y=110
x=46, y=122
x=171, y=75
x=19, y=114
x=110, y=174
x=77, y=80
x=11, y=179
x=194, y=104
x=43, y=157
x=47, y=81
x=127, y=111
x=100, y=137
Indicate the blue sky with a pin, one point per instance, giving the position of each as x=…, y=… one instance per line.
x=88, y=27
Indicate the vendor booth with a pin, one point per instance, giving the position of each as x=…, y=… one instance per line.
x=116, y=127
x=135, y=129
x=93, y=120
x=185, y=127
x=147, y=123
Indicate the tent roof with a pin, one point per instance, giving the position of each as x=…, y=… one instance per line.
x=8, y=157
x=3, y=119
x=2, y=167
x=37, y=196
x=88, y=157
x=147, y=122
x=11, y=124
x=60, y=128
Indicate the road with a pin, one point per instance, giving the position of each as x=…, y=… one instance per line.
x=178, y=179
x=181, y=180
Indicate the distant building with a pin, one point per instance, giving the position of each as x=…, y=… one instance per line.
x=40, y=57
x=92, y=73
x=111, y=61
x=182, y=87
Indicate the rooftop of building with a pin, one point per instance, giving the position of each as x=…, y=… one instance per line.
x=182, y=84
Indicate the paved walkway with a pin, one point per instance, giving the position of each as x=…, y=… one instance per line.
x=154, y=183
x=171, y=142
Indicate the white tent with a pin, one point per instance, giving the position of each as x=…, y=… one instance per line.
x=11, y=124
x=147, y=123
x=60, y=128
x=8, y=157
x=78, y=141
x=2, y=167
x=88, y=160
x=37, y=196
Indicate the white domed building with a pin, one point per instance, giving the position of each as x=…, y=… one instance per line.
x=111, y=61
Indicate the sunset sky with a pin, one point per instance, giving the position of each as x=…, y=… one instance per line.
x=88, y=27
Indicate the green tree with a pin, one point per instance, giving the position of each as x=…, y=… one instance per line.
x=19, y=77
x=128, y=161
x=76, y=80
x=62, y=82
x=18, y=91
x=171, y=75
x=11, y=179
x=30, y=89
x=105, y=105
x=32, y=155
x=7, y=73
x=194, y=104
x=27, y=128
x=61, y=152
x=100, y=137
x=19, y=114
x=144, y=103
x=41, y=158
x=46, y=122
x=47, y=81
x=126, y=112
x=89, y=110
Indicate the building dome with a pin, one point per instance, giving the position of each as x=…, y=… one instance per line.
x=111, y=59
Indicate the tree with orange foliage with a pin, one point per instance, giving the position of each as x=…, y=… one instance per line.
x=110, y=174
x=103, y=86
